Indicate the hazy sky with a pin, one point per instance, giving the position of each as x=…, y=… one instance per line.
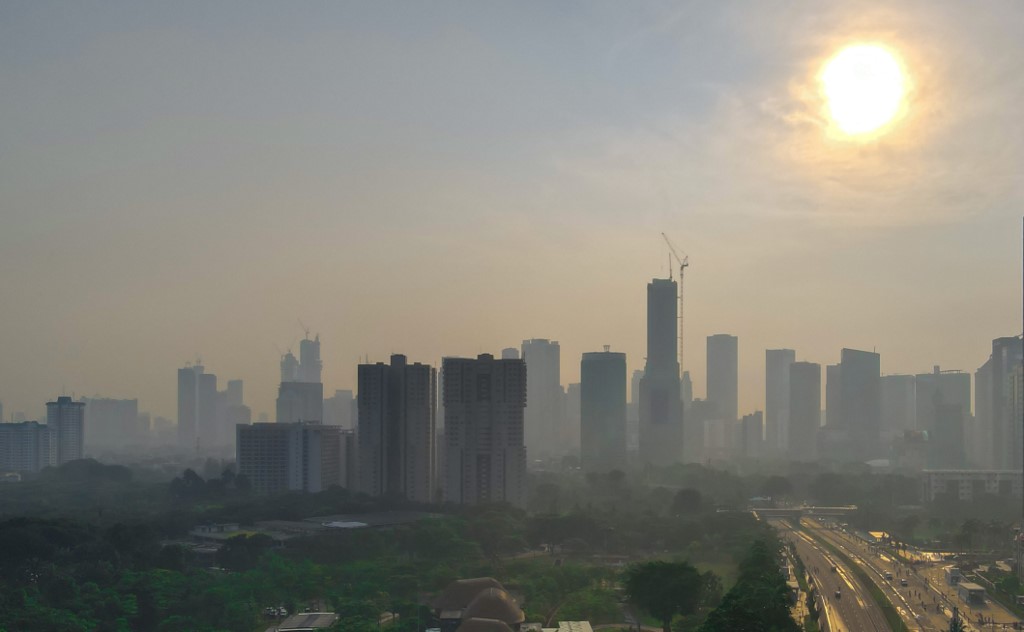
x=449, y=178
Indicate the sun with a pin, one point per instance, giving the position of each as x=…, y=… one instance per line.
x=864, y=87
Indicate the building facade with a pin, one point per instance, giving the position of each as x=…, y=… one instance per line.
x=661, y=417
x=397, y=426
x=485, y=454
x=300, y=401
x=26, y=446
x=603, y=411
x=66, y=421
x=545, y=430
x=776, y=399
x=723, y=374
x=281, y=457
x=804, y=410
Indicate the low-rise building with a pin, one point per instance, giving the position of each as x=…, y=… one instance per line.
x=306, y=622
x=967, y=484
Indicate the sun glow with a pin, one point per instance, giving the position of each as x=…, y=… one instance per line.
x=864, y=88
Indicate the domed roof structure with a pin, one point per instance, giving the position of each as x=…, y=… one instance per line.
x=483, y=625
x=460, y=593
x=495, y=603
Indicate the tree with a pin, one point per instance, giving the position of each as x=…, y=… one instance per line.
x=777, y=486
x=687, y=501
x=665, y=589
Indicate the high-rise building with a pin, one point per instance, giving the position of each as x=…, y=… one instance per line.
x=979, y=439
x=723, y=374
x=804, y=410
x=899, y=405
x=1007, y=433
x=833, y=396
x=300, y=401
x=936, y=389
x=235, y=393
x=289, y=368
x=396, y=432
x=603, y=411
x=207, y=428
x=188, y=405
x=776, y=399
x=310, y=367
x=861, y=403
x=340, y=410
x=750, y=443
x=280, y=457
x=633, y=412
x=510, y=353
x=571, y=408
x=66, y=421
x=661, y=417
x=485, y=455
x=113, y=423
x=544, y=427
x=27, y=446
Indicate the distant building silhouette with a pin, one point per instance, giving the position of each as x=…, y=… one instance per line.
x=776, y=399
x=26, y=446
x=545, y=433
x=723, y=374
x=397, y=426
x=603, y=411
x=66, y=421
x=289, y=368
x=280, y=457
x=340, y=409
x=510, y=353
x=980, y=447
x=861, y=404
x=833, y=396
x=310, y=367
x=661, y=417
x=113, y=423
x=804, y=410
x=633, y=412
x=188, y=405
x=485, y=456
x=899, y=405
x=749, y=439
x=300, y=401
x=1007, y=433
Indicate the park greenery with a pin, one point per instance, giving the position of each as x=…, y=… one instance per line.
x=89, y=546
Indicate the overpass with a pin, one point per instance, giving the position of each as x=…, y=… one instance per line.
x=798, y=512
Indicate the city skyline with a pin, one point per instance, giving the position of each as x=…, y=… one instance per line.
x=164, y=256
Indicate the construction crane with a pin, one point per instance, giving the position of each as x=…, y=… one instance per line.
x=684, y=262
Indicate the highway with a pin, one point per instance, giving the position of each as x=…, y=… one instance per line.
x=854, y=611
x=926, y=602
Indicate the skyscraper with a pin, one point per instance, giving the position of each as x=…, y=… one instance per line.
x=723, y=374
x=66, y=421
x=749, y=441
x=188, y=405
x=833, y=396
x=289, y=368
x=397, y=404
x=310, y=367
x=485, y=456
x=661, y=422
x=776, y=399
x=340, y=410
x=804, y=410
x=980, y=444
x=603, y=411
x=861, y=404
x=207, y=428
x=113, y=423
x=544, y=427
x=27, y=446
x=899, y=404
x=510, y=353
x=1007, y=434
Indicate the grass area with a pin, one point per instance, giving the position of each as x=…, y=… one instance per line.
x=879, y=597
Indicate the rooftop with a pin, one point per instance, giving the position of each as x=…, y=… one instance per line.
x=307, y=622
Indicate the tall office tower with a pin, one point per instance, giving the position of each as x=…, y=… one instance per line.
x=113, y=423
x=544, y=425
x=280, y=457
x=485, y=456
x=66, y=420
x=861, y=397
x=310, y=367
x=207, y=428
x=936, y=389
x=750, y=443
x=396, y=429
x=188, y=405
x=603, y=411
x=701, y=412
x=980, y=438
x=1007, y=433
x=339, y=409
x=289, y=368
x=300, y=401
x=776, y=399
x=661, y=417
x=723, y=374
x=946, y=439
x=510, y=353
x=804, y=410
x=27, y=446
x=899, y=405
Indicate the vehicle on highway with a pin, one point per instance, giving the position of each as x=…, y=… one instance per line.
x=903, y=582
x=835, y=569
x=888, y=576
x=839, y=594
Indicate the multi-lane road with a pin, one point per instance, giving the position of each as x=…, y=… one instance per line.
x=853, y=610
